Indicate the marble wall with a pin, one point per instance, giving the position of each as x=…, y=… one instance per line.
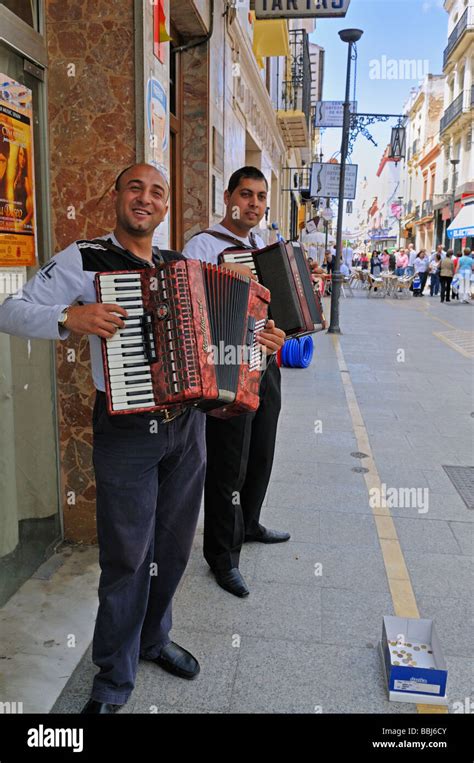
x=91, y=104
x=196, y=140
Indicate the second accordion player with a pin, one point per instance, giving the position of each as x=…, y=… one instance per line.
x=190, y=338
x=284, y=270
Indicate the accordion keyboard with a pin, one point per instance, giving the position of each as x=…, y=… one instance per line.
x=129, y=368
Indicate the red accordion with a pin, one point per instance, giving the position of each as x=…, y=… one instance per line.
x=283, y=269
x=190, y=339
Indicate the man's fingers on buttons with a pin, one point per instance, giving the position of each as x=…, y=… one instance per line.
x=112, y=308
x=115, y=320
x=108, y=328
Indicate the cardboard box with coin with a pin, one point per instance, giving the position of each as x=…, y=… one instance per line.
x=414, y=664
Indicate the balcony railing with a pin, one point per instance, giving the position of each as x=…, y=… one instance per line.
x=294, y=97
x=452, y=112
x=427, y=208
x=296, y=179
x=296, y=92
x=467, y=19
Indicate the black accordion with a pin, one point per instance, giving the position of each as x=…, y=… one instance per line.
x=283, y=269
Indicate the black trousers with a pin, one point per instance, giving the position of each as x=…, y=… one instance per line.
x=240, y=454
x=445, y=288
x=149, y=486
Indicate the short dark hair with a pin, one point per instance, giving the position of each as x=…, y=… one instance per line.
x=245, y=172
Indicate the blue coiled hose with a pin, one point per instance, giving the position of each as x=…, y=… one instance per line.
x=297, y=353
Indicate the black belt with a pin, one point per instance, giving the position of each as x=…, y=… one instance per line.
x=163, y=416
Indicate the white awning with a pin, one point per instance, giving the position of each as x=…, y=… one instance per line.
x=463, y=224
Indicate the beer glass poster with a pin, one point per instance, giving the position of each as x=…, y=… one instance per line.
x=17, y=205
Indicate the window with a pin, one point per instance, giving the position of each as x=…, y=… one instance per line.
x=27, y=10
x=432, y=183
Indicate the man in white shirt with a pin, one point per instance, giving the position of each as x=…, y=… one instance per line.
x=239, y=450
x=439, y=250
x=421, y=265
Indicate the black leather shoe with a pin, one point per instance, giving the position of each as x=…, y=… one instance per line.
x=178, y=661
x=268, y=536
x=231, y=581
x=95, y=707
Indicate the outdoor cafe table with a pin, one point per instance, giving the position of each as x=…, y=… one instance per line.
x=390, y=283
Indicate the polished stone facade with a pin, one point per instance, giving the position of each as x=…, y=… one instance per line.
x=91, y=104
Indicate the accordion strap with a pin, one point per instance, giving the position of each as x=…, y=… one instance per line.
x=231, y=239
x=166, y=255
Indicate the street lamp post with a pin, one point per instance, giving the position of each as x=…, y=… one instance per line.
x=351, y=36
x=400, y=200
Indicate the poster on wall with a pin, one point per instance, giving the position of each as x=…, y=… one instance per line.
x=17, y=202
x=157, y=120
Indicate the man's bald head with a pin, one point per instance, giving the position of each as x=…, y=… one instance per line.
x=122, y=180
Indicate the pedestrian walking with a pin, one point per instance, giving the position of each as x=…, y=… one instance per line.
x=463, y=269
x=446, y=273
x=420, y=265
x=434, y=268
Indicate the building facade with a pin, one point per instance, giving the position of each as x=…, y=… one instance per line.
x=456, y=124
x=421, y=168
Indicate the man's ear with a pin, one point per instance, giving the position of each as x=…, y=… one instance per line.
x=226, y=197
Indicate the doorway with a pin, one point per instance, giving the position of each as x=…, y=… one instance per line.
x=30, y=524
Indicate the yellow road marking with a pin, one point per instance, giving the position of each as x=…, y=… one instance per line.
x=401, y=589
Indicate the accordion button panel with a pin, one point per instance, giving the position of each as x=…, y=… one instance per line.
x=129, y=368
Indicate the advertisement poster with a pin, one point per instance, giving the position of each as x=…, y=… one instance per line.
x=157, y=123
x=17, y=204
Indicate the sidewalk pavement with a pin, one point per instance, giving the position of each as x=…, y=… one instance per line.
x=306, y=638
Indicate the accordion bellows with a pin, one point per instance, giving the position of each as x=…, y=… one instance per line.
x=190, y=339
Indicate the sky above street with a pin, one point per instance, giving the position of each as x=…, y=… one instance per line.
x=394, y=30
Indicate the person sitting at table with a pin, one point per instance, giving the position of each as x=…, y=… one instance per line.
x=329, y=261
x=345, y=270
x=317, y=273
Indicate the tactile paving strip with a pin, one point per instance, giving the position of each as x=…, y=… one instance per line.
x=461, y=341
x=462, y=478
